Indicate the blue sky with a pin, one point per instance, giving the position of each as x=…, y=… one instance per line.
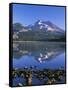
x=29, y=14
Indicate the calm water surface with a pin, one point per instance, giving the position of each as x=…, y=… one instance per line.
x=39, y=55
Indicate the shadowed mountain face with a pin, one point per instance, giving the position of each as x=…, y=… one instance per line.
x=41, y=51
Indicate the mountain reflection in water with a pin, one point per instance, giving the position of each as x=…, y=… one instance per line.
x=38, y=55
x=41, y=51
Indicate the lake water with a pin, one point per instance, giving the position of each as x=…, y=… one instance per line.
x=38, y=55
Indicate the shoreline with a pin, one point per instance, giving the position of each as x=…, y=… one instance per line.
x=39, y=41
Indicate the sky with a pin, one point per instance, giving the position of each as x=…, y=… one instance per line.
x=29, y=14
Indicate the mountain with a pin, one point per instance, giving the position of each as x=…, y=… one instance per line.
x=40, y=30
x=38, y=25
x=46, y=25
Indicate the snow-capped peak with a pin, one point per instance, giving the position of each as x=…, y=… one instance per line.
x=45, y=25
x=40, y=22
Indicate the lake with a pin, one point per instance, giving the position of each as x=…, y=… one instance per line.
x=36, y=56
